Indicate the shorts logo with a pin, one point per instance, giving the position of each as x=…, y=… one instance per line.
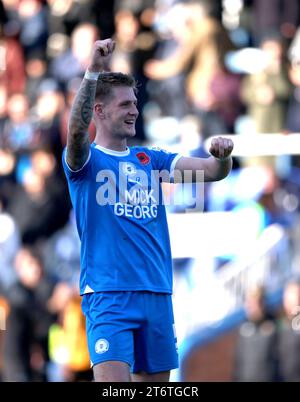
x=101, y=346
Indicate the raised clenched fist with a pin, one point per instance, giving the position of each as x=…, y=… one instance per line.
x=221, y=147
x=101, y=54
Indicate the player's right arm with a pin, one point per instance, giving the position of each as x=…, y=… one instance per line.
x=78, y=143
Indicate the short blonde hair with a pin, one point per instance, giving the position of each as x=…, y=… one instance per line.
x=109, y=80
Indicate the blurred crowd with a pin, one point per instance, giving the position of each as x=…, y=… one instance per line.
x=204, y=68
x=268, y=342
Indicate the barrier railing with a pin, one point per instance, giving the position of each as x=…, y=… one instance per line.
x=204, y=295
x=269, y=264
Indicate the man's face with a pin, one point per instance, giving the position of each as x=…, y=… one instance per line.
x=120, y=113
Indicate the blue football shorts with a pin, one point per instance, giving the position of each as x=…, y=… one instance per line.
x=133, y=327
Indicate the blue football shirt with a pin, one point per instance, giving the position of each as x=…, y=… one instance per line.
x=121, y=219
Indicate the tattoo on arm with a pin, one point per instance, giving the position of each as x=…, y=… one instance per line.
x=78, y=143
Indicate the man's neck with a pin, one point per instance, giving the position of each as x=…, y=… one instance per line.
x=111, y=143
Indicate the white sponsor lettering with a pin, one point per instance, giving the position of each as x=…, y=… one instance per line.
x=135, y=211
x=140, y=196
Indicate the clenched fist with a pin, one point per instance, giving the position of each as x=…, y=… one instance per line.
x=101, y=54
x=221, y=147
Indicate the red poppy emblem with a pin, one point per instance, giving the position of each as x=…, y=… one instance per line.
x=143, y=158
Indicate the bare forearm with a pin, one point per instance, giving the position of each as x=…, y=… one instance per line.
x=213, y=169
x=217, y=169
x=78, y=143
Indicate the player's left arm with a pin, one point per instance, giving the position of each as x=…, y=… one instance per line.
x=215, y=168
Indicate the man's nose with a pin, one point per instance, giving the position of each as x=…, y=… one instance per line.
x=134, y=110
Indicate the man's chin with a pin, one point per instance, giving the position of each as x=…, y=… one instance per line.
x=126, y=134
x=130, y=134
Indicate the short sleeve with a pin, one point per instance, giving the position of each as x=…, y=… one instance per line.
x=75, y=174
x=164, y=160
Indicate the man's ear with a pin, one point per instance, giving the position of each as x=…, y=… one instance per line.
x=99, y=110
